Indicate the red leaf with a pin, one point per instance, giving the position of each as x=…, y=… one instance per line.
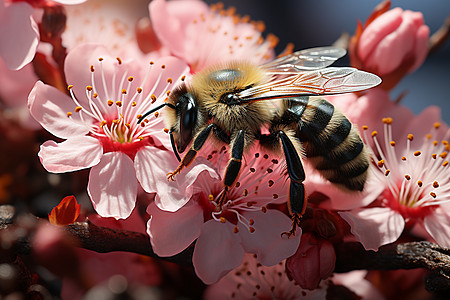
x=66, y=212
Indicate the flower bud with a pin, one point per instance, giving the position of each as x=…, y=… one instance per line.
x=392, y=44
x=313, y=261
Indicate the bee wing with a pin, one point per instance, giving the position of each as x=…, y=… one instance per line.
x=308, y=59
x=328, y=81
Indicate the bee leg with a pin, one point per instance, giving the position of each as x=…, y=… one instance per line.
x=297, y=200
x=188, y=158
x=234, y=164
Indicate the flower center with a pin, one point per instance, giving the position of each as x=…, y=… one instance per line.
x=417, y=180
x=259, y=185
x=112, y=111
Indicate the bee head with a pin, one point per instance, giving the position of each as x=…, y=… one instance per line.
x=186, y=117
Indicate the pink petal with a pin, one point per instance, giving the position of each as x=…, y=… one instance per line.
x=113, y=186
x=152, y=165
x=438, y=226
x=421, y=47
x=172, y=232
x=374, y=227
x=218, y=250
x=266, y=241
x=377, y=30
x=76, y=153
x=49, y=107
x=169, y=20
x=70, y=2
x=19, y=34
x=393, y=48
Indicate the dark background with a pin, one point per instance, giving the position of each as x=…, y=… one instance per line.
x=311, y=23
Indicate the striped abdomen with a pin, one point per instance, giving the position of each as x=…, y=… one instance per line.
x=333, y=145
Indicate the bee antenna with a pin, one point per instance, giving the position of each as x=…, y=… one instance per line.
x=155, y=109
x=174, y=148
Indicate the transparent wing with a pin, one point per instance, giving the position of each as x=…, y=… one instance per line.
x=328, y=81
x=304, y=60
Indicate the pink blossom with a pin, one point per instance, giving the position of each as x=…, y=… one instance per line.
x=251, y=280
x=243, y=224
x=19, y=34
x=204, y=36
x=356, y=281
x=313, y=262
x=416, y=184
x=392, y=44
x=99, y=124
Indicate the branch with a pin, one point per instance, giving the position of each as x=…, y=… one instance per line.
x=352, y=256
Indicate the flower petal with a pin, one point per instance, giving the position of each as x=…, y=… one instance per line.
x=374, y=227
x=218, y=250
x=19, y=34
x=169, y=18
x=113, y=186
x=49, y=107
x=152, y=165
x=267, y=240
x=438, y=226
x=172, y=232
x=79, y=152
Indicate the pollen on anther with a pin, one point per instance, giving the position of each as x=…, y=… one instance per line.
x=381, y=163
x=152, y=62
x=251, y=222
x=92, y=68
x=89, y=88
x=130, y=79
x=392, y=143
x=222, y=220
x=119, y=103
x=153, y=98
x=163, y=66
x=119, y=60
x=169, y=80
x=140, y=138
x=69, y=87
x=437, y=125
x=417, y=153
x=235, y=229
x=110, y=102
x=245, y=193
x=138, y=116
x=387, y=172
x=264, y=209
x=387, y=120
x=100, y=59
x=156, y=114
x=443, y=154
x=445, y=163
x=428, y=136
x=94, y=95
x=139, y=90
x=69, y=113
x=435, y=143
x=142, y=124
x=434, y=155
x=124, y=91
x=410, y=137
x=432, y=194
x=103, y=123
x=210, y=197
x=407, y=177
x=403, y=158
x=435, y=184
x=133, y=104
x=374, y=133
x=166, y=130
x=419, y=183
x=365, y=127
x=78, y=108
x=168, y=93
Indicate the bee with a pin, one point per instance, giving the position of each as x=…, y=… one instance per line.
x=232, y=102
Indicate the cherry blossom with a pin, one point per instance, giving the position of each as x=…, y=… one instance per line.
x=99, y=122
x=203, y=36
x=252, y=280
x=245, y=223
x=416, y=184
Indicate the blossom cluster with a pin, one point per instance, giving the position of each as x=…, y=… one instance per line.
x=84, y=82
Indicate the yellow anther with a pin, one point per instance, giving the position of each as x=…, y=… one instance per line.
x=387, y=120
x=130, y=79
x=437, y=125
x=435, y=184
x=419, y=183
x=374, y=133
x=92, y=68
x=133, y=104
x=410, y=137
x=251, y=229
x=407, y=177
x=169, y=80
x=139, y=90
x=69, y=87
x=417, y=153
x=381, y=163
x=69, y=113
x=100, y=59
x=119, y=60
x=210, y=197
x=387, y=172
x=110, y=102
x=235, y=229
x=392, y=143
x=222, y=220
x=432, y=194
x=89, y=88
x=78, y=108
x=119, y=103
x=124, y=91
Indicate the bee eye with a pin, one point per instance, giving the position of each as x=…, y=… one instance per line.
x=187, y=108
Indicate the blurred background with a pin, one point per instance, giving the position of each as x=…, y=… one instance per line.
x=320, y=22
